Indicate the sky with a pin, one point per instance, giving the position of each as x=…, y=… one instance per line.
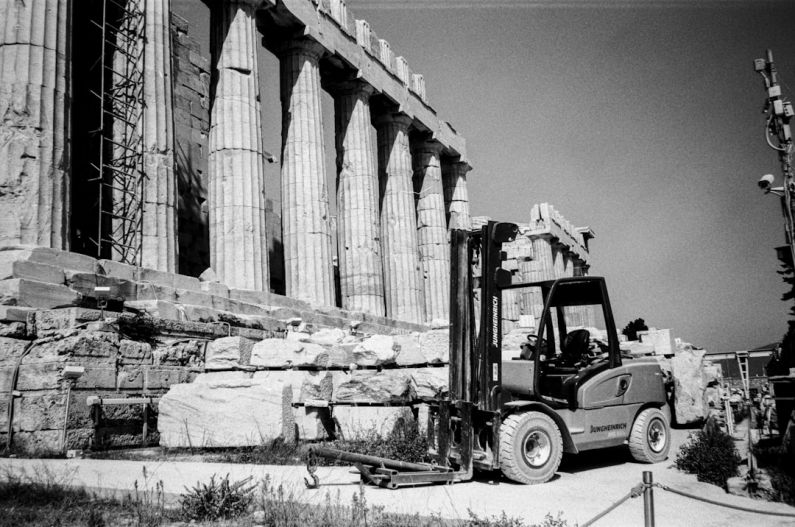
x=641, y=119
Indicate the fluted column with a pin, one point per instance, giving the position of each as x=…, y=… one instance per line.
x=238, y=238
x=358, y=228
x=403, y=284
x=34, y=202
x=432, y=230
x=544, y=269
x=305, y=207
x=456, y=197
x=159, y=223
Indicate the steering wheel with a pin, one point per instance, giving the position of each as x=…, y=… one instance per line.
x=529, y=349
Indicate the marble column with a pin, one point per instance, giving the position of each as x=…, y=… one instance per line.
x=358, y=227
x=456, y=198
x=305, y=206
x=34, y=203
x=403, y=285
x=238, y=237
x=433, y=244
x=159, y=222
x=544, y=269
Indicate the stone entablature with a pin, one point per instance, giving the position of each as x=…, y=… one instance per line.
x=545, y=220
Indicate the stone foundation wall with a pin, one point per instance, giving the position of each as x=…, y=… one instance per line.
x=247, y=344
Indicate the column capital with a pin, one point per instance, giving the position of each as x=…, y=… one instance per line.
x=461, y=167
x=351, y=87
x=429, y=146
x=397, y=118
x=302, y=46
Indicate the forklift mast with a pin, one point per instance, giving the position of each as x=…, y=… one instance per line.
x=476, y=362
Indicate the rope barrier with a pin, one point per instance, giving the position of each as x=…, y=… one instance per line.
x=727, y=505
x=639, y=489
x=634, y=493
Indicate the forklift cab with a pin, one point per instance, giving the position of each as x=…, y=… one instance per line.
x=575, y=340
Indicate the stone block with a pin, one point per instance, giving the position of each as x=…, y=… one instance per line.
x=232, y=411
x=387, y=386
x=365, y=422
x=30, y=293
x=49, y=321
x=32, y=271
x=215, y=289
x=13, y=330
x=377, y=350
x=97, y=377
x=661, y=339
x=34, y=412
x=11, y=349
x=435, y=345
x=196, y=298
x=427, y=384
x=49, y=256
x=313, y=424
x=409, y=351
x=134, y=352
x=147, y=290
x=39, y=443
x=228, y=352
x=130, y=378
x=327, y=336
x=117, y=270
x=157, y=308
x=99, y=346
x=341, y=355
x=689, y=405
x=15, y=314
x=282, y=353
x=85, y=284
x=157, y=378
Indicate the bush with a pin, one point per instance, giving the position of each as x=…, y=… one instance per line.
x=779, y=465
x=404, y=442
x=217, y=500
x=710, y=455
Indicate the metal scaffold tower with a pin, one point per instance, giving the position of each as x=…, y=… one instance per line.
x=119, y=167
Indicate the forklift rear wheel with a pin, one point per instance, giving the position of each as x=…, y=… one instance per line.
x=650, y=439
x=531, y=447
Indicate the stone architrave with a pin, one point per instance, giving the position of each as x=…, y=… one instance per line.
x=358, y=234
x=432, y=239
x=403, y=284
x=306, y=222
x=159, y=223
x=456, y=197
x=238, y=237
x=34, y=206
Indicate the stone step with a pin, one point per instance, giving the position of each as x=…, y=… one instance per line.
x=32, y=293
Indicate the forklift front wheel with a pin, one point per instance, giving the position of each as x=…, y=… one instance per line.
x=531, y=447
x=650, y=439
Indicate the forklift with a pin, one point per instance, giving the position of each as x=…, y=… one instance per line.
x=567, y=391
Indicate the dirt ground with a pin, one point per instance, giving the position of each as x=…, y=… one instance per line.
x=585, y=485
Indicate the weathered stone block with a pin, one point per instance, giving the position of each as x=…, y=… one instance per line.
x=387, y=386
x=11, y=349
x=215, y=289
x=100, y=346
x=428, y=383
x=313, y=424
x=377, y=350
x=15, y=314
x=327, y=336
x=46, y=255
x=134, y=352
x=32, y=271
x=157, y=308
x=130, y=378
x=67, y=318
x=85, y=284
x=231, y=411
x=410, y=353
x=39, y=411
x=435, y=345
x=281, y=353
x=117, y=270
x=228, y=352
x=689, y=386
x=13, y=329
x=196, y=298
x=31, y=293
x=96, y=377
x=163, y=377
x=364, y=422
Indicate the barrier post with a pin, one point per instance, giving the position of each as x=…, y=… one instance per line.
x=648, y=499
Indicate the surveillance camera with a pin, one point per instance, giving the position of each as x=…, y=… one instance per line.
x=766, y=182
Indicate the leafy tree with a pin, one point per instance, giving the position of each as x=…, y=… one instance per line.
x=631, y=329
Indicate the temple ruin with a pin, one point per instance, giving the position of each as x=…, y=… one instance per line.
x=132, y=175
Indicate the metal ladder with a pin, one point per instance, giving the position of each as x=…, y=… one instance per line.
x=742, y=364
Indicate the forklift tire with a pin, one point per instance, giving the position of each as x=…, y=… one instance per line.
x=531, y=447
x=650, y=438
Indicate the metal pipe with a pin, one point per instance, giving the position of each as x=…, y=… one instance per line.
x=340, y=455
x=648, y=499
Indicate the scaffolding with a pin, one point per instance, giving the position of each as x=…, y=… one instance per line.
x=118, y=169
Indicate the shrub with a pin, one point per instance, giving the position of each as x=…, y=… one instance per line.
x=404, y=442
x=217, y=500
x=710, y=455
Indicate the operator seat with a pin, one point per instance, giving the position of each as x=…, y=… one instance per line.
x=575, y=346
